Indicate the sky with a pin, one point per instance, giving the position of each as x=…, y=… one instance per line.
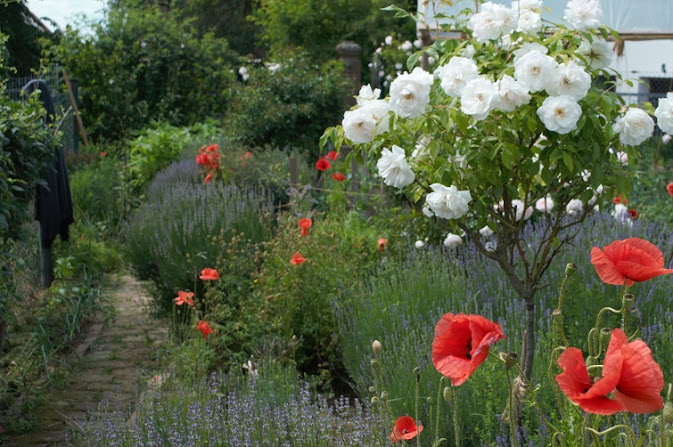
x=65, y=11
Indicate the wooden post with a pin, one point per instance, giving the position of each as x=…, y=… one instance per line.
x=294, y=177
x=349, y=53
x=75, y=109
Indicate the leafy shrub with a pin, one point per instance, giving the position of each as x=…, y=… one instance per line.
x=140, y=65
x=289, y=107
x=94, y=189
x=174, y=235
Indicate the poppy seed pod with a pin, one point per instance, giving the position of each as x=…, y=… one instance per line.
x=511, y=359
x=605, y=335
x=570, y=269
x=375, y=400
x=372, y=389
x=377, y=347
x=417, y=371
x=627, y=301
x=385, y=395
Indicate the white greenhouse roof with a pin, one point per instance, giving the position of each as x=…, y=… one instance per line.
x=625, y=16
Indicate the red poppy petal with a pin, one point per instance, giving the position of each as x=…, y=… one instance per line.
x=601, y=405
x=606, y=269
x=644, y=404
x=639, y=272
x=574, y=380
x=647, y=247
x=612, y=369
x=641, y=381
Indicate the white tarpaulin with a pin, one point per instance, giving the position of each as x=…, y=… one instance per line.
x=625, y=16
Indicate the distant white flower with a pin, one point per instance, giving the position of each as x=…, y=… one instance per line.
x=666, y=138
x=453, y=240
x=583, y=14
x=364, y=123
x=406, y=46
x=527, y=48
x=511, y=94
x=535, y=70
x=366, y=94
x=664, y=114
x=529, y=21
x=477, y=97
x=491, y=246
x=622, y=215
x=599, y=190
x=491, y=22
x=399, y=66
x=560, y=114
x=598, y=53
x=427, y=212
x=421, y=148
x=518, y=207
x=394, y=169
x=388, y=40
x=419, y=244
x=486, y=231
x=622, y=157
x=143, y=44
x=570, y=80
x=379, y=50
x=410, y=93
x=418, y=43
x=545, y=204
x=586, y=175
x=575, y=206
x=459, y=161
x=634, y=127
x=469, y=51
x=456, y=74
x=448, y=202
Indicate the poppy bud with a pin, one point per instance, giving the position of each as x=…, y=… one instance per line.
x=372, y=389
x=446, y=394
x=511, y=359
x=417, y=371
x=668, y=413
x=605, y=336
x=570, y=269
x=385, y=395
x=635, y=313
x=627, y=301
x=556, y=313
x=377, y=347
x=375, y=400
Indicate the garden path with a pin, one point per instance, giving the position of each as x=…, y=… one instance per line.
x=113, y=359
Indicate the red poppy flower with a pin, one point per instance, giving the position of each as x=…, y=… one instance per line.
x=381, y=245
x=305, y=224
x=205, y=328
x=213, y=148
x=631, y=260
x=669, y=188
x=621, y=200
x=209, y=275
x=338, y=176
x=633, y=213
x=331, y=155
x=208, y=178
x=322, y=164
x=201, y=158
x=102, y=154
x=405, y=428
x=297, y=259
x=247, y=155
x=461, y=343
x=628, y=369
x=185, y=298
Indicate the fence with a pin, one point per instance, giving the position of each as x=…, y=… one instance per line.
x=64, y=113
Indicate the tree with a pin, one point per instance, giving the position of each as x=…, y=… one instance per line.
x=23, y=45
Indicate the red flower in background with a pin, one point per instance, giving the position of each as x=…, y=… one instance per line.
x=331, y=155
x=628, y=369
x=619, y=199
x=208, y=178
x=209, y=275
x=628, y=261
x=669, y=188
x=297, y=259
x=305, y=224
x=184, y=298
x=461, y=343
x=101, y=154
x=338, y=176
x=633, y=213
x=381, y=244
x=405, y=428
x=205, y=328
x=322, y=164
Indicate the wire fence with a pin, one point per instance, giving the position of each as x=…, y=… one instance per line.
x=64, y=114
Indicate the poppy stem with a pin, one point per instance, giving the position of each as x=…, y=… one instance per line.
x=456, y=426
x=417, y=392
x=512, y=424
x=439, y=399
x=595, y=432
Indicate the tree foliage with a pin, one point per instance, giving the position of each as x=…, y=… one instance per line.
x=23, y=45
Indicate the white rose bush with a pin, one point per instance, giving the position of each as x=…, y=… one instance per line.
x=519, y=103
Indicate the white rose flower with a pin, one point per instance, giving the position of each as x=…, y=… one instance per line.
x=545, y=204
x=621, y=214
x=469, y=51
x=419, y=244
x=367, y=94
x=421, y=148
x=586, y=175
x=570, y=80
x=448, y=202
x=491, y=21
x=406, y=46
x=527, y=48
x=388, y=40
x=453, y=240
x=634, y=127
x=575, y=206
x=394, y=169
x=535, y=70
x=666, y=138
x=491, y=246
x=622, y=157
x=418, y=43
x=511, y=94
x=459, y=161
x=427, y=212
x=486, y=231
x=664, y=113
x=477, y=98
x=454, y=75
x=583, y=14
x=518, y=207
x=560, y=114
x=364, y=123
x=598, y=53
x=529, y=21
x=410, y=93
